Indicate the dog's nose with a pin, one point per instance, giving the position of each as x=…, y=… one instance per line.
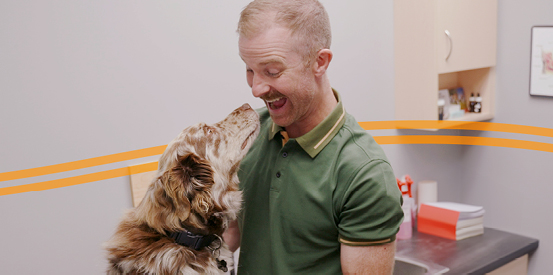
x=246, y=106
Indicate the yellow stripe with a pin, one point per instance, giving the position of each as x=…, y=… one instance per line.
x=332, y=129
x=457, y=125
x=461, y=140
x=364, y=243
x=80, y=164
x=104, y=175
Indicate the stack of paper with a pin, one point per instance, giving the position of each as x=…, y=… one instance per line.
x=451, y=220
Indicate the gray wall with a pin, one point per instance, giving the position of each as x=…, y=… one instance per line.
x=515, y=186
x=82, y=79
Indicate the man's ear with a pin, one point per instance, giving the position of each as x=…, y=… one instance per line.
x=322, y=61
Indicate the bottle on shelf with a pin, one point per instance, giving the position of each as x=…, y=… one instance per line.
x=478, y=105
x=441, y=104
x=472, y=102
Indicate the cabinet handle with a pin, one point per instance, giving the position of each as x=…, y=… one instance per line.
x=450, y=44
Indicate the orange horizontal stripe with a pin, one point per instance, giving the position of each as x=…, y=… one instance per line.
x=80, y=164
x=457, y=125
x=382, y=140
x=141, y=168
x=104, y=175
x=371, y=125
x=461, y=140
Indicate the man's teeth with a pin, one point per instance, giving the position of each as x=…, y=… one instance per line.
x=273, y=100
x=276, y=103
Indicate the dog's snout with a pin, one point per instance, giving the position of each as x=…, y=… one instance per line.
x=246, y=106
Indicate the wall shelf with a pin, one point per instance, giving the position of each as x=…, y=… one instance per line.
x=444, y=44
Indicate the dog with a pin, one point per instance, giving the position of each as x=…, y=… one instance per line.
x=177, y=227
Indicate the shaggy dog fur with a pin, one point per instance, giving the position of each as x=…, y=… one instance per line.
x=196, y=189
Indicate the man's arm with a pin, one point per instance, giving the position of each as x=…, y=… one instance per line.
x=377, y=259
x=231, y=236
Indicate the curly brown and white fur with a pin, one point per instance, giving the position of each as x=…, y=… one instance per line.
x=196, y=189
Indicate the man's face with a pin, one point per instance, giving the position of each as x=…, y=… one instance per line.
x=277, y=74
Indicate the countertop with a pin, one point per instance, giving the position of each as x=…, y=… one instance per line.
x=475, y=255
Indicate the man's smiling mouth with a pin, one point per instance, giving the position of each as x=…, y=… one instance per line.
x=276, y=103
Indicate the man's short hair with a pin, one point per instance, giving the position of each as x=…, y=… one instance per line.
x=307, y=19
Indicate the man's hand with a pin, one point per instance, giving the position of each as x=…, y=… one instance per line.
x=232, y=236
x=377, y=259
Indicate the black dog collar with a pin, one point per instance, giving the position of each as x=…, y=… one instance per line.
x=191, y=240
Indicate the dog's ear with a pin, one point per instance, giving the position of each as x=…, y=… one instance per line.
x=194, y=170
x=197, y=179
x=180, y=195
x=165, y=206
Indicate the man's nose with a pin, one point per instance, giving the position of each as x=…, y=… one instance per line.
x=259, y=87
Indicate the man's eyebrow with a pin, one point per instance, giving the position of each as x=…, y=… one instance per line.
x=271, y=61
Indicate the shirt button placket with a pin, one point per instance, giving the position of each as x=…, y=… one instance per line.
x=284, y=155
x=281, y=166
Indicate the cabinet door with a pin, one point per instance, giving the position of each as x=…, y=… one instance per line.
x=472, y=29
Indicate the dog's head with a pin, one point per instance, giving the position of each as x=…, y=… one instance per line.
x=197, y=185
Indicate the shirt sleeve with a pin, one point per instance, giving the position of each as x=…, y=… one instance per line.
x=370, y=210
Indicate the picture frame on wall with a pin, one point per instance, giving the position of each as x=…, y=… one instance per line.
x=541, y=61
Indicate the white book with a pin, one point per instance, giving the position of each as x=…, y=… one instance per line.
x=466, y=211
x=470, y=231
x=470, y=222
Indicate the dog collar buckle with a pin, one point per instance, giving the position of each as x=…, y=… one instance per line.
x=191, y=240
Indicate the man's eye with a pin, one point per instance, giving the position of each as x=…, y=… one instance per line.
x=273, y=74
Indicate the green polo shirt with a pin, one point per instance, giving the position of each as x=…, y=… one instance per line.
x=302, y=199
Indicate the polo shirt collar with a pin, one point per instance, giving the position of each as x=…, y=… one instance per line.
x=315, y=140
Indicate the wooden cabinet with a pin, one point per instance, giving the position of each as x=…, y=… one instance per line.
x=443, y=44
x=518, y=266
x=466, y=32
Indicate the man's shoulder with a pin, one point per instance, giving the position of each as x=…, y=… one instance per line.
x=358, y=143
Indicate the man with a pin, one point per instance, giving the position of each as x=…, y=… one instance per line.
x=319, y=194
